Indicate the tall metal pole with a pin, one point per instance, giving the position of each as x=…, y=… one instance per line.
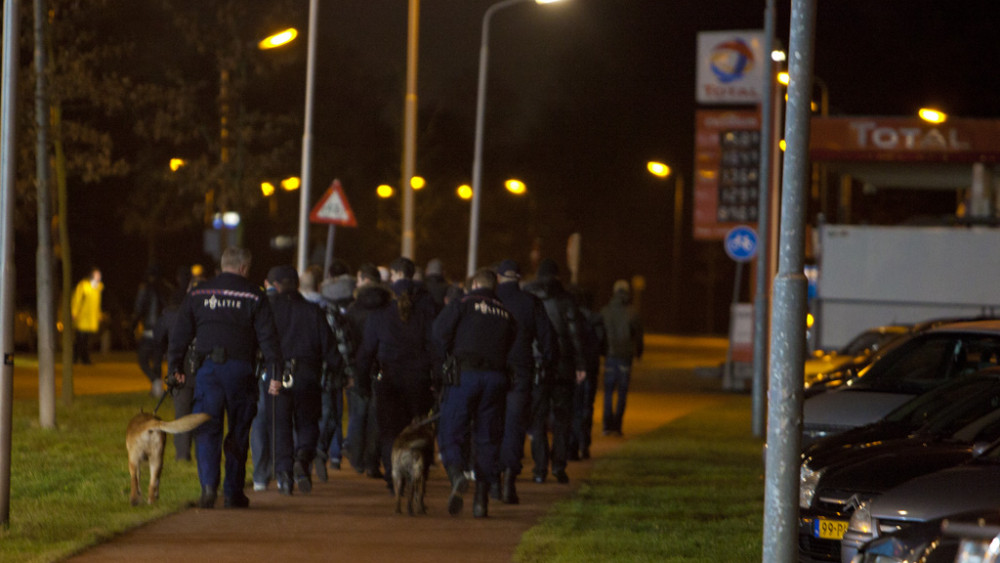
x=675, y=271
x=8, y=164
x=477, y=157
x=761, y=301
x=307, y=143
x=789, y=310
x=410, y=131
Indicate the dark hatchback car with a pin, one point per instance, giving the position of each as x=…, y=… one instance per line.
x=837, y=475
x=970, y=537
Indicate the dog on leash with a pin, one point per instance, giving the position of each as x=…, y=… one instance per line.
x=412, y=455
x=145, y=439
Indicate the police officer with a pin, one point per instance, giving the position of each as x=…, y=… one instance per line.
x=231, y=318
x=306, y=342
x=533, y=346
x=478, y=331
x=399, y=337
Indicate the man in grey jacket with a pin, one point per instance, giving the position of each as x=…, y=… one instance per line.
x=623, y=331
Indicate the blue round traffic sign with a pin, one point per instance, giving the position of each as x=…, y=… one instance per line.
x=741, y=243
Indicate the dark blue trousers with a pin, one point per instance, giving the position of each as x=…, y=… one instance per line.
x=228, y=390
x=517, y=416
x=617, y=373
x=478, y=401
x=296, y=421
x=331, y=425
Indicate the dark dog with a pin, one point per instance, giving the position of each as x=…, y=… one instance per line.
x=412, y=455
x=145, y=438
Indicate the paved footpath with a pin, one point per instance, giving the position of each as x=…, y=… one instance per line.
x=351, y=517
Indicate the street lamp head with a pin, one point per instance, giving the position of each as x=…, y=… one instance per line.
x=266, y=188
x=417, y=182
x=658, y=169
x=176, y=164
x=464, y=191
x=278, y=39
x=932, y=115
x=291, y=184
x=515, y=187
x=384, y=191
x=546, y=1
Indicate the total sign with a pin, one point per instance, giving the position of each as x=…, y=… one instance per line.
x=731, y=67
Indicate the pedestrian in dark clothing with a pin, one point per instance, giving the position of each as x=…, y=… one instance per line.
x=478, y=331
x=230, y=318
x=362, y=442
x=624, y=343
x=585, y=391
x=553, y=396
x=150, y=300
x=435, y=282
x=533, y=345
x=183, y=397
x=337, y=297
x=262, y=430
x=399, y=337
x=306, y=343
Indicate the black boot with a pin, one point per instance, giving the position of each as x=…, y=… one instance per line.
x=481, y=499
x=302, y=478
x=207, y=499
x=459, y=484
x=508, y=492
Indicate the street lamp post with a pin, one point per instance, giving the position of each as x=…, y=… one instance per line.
x=662, y=170
x=307, y=142
x=477, y=159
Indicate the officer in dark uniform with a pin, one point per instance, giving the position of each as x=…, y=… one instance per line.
x=306, y=342
x=478, y=331
x=532, y=350
x=231, y=319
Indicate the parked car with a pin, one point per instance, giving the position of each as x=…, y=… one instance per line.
x=971, y=486
x=962, y=538
x=829, y=368
x=919, y=364
x=836, y=476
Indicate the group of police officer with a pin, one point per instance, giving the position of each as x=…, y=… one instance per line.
x=515, y=355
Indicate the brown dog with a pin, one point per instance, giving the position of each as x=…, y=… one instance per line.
x=145, y=438
x=412, y=455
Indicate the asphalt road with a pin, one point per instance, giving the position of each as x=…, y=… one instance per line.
x=352, y=517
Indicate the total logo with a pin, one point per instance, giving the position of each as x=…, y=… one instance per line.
x=730, y=60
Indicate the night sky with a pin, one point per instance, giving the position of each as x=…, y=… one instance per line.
x=581, y=94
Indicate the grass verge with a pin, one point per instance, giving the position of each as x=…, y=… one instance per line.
x=70, y=486
x=690, y=491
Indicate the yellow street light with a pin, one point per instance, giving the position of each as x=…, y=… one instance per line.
x=464, y=191
x=278, y=39
x=784, y=78
x=932, y=115
x=176, y=163
x=384, y=191
x=266, y=188
x=658, y=169
x=291, y=184
x=515, y=187
x=417, y=182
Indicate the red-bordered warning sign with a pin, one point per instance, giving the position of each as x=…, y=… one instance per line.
x=333, y=208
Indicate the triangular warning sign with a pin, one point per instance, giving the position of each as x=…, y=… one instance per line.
x=333, y=208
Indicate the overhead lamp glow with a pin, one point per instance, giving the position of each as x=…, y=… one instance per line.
x=384, y=191
x=231, y=219
x=417, y=182
x=546, y=1
x=658, y=169
x=932, y=115
x=784, y=78
x=266, y=188
x=176, y=164
x=778, y=56
x=516, y=187
x=464, y=191
x=291, y=184
x=279, y=39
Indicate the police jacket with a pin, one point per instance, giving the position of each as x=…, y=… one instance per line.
x=534, y=330
x=566, y=322
x=477, y=330
x=405, y=345
x=227, y=312
x=304, y=333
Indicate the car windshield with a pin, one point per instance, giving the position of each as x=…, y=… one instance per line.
x=929, y=360
x=942, y=403
x=868, y=341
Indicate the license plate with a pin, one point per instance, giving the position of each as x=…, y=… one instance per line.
x=829, y=529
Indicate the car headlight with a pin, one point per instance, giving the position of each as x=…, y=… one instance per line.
x=862, y=521
x=808, y=480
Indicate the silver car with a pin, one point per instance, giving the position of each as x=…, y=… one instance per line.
x=920, y=364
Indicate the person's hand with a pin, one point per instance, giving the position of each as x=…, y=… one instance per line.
x=274, y=388
x=580, y=375
x=177, y=379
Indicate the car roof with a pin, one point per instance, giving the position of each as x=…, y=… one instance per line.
x=991, y=326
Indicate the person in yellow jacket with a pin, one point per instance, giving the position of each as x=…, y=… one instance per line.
x=86, y=309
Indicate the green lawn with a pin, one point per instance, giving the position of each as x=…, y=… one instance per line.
x=691, y=491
